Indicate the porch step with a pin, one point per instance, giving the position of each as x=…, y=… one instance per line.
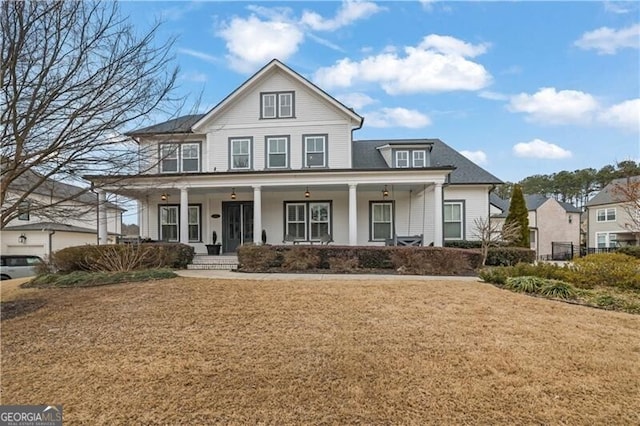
x=201, y=261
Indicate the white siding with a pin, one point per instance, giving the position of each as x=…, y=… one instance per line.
x=476, y=200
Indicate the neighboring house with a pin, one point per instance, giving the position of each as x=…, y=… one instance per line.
x=554, y=226
x=277, y=155
x=612, y=219
x=68, y=223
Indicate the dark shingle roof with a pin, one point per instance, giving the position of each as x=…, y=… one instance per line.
x=500, y=203
x=367, y=156
x=177, y=125
x=533, y=202
x=606, y=195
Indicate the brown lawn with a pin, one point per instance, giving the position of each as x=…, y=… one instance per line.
x=198, y=351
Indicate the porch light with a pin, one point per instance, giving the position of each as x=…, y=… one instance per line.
x=233, y=193
x=22, y=239
x=164, y=197
x=307, y=194
x=385, y=192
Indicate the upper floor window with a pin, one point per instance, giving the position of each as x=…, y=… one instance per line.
x=179, y=157
x=453, y=226
x=402, y=159
x=240, y=153
x=606, y=215
x=277, y=152
x=23, y=210
x=315, y=151
x=419, y=158
x=277, y=105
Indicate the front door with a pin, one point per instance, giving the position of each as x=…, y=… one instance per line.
x=237, y=224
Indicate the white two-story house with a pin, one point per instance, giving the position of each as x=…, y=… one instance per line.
x=278, y=154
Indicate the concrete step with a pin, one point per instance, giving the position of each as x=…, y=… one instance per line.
x=202, y=261
x=220, y=267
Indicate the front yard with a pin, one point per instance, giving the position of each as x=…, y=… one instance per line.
x=199, y=351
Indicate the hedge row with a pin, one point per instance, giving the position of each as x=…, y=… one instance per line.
x=404, y=260
x=128, y=257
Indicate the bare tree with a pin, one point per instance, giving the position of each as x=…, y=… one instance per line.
x=493, y=233
x=74, y=76
x=626, y=191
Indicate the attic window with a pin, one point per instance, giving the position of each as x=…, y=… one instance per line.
x=23, y=210
x=277, y=105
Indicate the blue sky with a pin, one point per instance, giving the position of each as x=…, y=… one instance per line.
x=521, y=88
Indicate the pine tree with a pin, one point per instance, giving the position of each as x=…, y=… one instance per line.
x=518, y=214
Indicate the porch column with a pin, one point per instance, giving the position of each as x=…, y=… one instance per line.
x=353, y=215
x=437, y=215
x=257, y=214
x=102, y=217
x=184, y=215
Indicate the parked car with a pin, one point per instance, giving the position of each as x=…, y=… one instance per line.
x=18, y=266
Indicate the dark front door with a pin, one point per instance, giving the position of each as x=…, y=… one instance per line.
x=237, y=224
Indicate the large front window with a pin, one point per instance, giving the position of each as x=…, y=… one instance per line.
x=308, y=221
x=315, y=151
x=170, y=223
x=179, y=157
x=381, y=221
x=453, y=212
x=277, y=152
x=606, y=239
x=240, y=154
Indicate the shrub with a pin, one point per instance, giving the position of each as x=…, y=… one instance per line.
x=558, y=289
x=540, y=269
x=506, y=256
x=90, y=279
x=260, y=258
x=301, y=259
x=494, y=275
x=122, y=257
x=465, y=244
x=630, y=251
x=605, y=269
x=375, y=257
x=435, y=261
x=524, y=284
x=343, y=264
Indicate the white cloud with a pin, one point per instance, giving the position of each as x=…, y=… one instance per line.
x=252, y=42
x=608, y=41
x=428, y=4
x=618, y=7
x=355, y=100
x=437, y=64
x=397, y=117
x=349, y=12
x=625, y=115
x=493, y=96
x=549, y=106
x=200, y=55
x=540, y=149
x=478, y=157
x=195, y=77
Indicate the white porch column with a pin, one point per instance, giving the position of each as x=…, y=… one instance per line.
x=102, y=217
x=353, y=214
x=437, y=215
x=184, y=216
x=257, y=214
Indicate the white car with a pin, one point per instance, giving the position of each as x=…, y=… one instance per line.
x=18, y=266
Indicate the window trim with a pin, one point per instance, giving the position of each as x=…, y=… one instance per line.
x=177, y=207
x=179, y=157
x=606, y=214
x=393, y=218
x=326, y=150
x=307, y=213
x=24, y=210
x=230, y=149
x=287, y=152
x=463, y=209
x=397, y=154
x=277, y=105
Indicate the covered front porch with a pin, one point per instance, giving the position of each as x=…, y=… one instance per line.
x=351, y=208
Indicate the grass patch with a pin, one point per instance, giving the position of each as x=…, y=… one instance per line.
x=92, y=279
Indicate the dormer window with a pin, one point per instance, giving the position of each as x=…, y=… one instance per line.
x=419, y=158
x=277, y=105
x=402, y=159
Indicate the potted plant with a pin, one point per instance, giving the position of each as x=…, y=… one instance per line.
x=214, y=248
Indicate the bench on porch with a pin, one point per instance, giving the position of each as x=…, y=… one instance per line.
x=324, y=240
x=404, y=240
